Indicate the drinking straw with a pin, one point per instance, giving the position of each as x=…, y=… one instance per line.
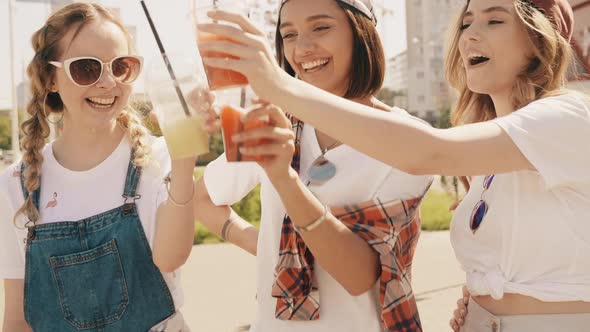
x=166, y=61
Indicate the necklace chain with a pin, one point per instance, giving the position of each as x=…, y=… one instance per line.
x=324, y=150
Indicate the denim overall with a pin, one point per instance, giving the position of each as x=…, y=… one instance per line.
x=95, y=274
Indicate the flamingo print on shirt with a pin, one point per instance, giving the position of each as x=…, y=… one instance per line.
x=52, y=203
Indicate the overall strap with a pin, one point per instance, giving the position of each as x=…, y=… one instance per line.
x=132, y=180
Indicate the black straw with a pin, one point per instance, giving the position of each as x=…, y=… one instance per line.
x=166, y=60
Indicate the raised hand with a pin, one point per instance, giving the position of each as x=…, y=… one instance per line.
x=250, y=52
x=203, y=101
x=278, y=141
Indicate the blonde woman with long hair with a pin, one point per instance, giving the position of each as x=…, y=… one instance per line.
x=86, y=220
x=521, y=233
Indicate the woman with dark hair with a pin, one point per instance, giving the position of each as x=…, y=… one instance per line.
x=338, y=228
x=521, y=233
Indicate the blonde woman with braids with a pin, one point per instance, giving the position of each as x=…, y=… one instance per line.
x=521, y=233
x=86, y=220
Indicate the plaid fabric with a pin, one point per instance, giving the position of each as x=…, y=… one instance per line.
x=391, y=228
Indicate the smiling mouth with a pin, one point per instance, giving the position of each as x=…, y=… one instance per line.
x=101, y=103
x=313, y=66
x=476, y=60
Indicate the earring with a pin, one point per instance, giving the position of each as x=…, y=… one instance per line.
x=47, y=115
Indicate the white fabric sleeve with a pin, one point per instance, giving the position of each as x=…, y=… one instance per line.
x=12, y=265
x=554, y=135
x=227, y=183
x=400, y=185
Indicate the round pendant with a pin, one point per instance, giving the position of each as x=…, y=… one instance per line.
x=321, y=171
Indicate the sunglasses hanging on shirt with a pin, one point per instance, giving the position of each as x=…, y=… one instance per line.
x=481, y=207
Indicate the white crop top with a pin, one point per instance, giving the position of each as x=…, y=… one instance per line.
x=535, y=238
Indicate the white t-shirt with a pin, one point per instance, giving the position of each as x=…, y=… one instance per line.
x=358, y=179
x=535, y=238
x=69, y=195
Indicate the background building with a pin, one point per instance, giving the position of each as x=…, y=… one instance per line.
x=581, y=43
x=396, y=79
x=427, y=22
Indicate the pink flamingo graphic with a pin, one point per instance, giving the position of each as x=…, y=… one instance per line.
x=52, y=203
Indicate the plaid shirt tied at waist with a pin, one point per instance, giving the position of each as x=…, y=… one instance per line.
x=391, y=228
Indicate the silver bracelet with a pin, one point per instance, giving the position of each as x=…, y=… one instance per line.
x=167, y=181
x=315, y=223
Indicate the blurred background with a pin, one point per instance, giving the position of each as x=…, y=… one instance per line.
x=413, y=33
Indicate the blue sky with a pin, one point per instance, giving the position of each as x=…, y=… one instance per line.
x=28, y=17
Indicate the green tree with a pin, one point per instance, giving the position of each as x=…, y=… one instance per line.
x=444, y=120
x=215, y=150
x=249, y=207
x=386, y=95
x=5, y=135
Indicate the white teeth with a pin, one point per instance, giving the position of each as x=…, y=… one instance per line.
x=476, y=55
x=314, y=64
x=103, y=101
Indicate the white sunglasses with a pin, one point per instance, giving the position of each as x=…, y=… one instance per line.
x=86, y=71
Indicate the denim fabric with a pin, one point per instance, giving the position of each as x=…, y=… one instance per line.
x=95, y=274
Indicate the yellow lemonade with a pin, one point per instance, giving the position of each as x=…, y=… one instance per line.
x=186, y=137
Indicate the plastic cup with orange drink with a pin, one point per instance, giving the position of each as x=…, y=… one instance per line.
x=219, y=78
x=232, y=122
